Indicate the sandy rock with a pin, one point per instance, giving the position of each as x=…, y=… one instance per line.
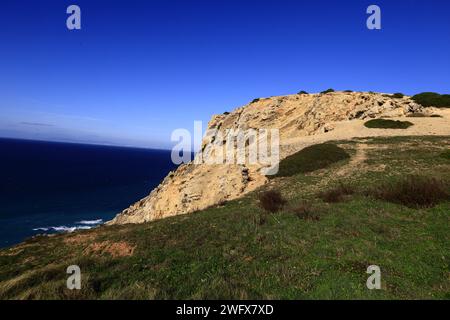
x=301, y=119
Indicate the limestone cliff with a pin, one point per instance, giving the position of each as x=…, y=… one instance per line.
x=301, y=119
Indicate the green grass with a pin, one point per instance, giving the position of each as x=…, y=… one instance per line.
x=387, y=124
x=309, y=250
x=311, y=158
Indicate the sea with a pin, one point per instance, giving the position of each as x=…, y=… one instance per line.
x=49, y=187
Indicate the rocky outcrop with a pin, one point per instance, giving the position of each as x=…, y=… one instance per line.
x=194, y=187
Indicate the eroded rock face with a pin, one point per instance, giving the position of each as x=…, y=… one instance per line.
x=194, y=187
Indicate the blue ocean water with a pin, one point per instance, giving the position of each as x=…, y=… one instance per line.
x=48, y=187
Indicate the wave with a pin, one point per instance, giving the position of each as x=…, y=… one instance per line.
x=80, y=225
x=63, y=228
x=90, y=222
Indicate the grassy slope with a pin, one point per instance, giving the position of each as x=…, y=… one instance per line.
x=222, y=253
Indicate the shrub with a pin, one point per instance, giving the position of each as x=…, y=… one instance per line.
x=446, y=154
x=387, y=124
x=328, y=91
x=413, y=191
x=417, y=115
x=304, y=211
x=310, y=159
x=398, y=95
x=271, y=201
x=255, y=100
x=432, y=99
x=226, y=113
x=303, y=92
x=423, y=115
x=336, y=194
x=348, y=91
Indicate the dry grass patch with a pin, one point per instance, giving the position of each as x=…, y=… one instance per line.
x=304, y=210
x=115, y=249
x=271, y=201
x=337, y=194
x=80, y=239
x=413, y=191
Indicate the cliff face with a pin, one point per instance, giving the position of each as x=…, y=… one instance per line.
x=194, y=187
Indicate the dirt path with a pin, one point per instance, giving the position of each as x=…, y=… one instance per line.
x=346, y=130
x=356, y=161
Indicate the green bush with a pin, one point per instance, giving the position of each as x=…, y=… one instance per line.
x=446, y=154
x=423, y=115
x=302, y=92
x=327, y=91
x=387, y=124
x=398, y=95
x=255, y=100
x=310, y=159
x=432, y=99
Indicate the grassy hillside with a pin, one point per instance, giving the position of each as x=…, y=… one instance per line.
x=231, y=252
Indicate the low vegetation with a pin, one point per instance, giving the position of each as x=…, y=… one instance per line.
x=432, y=99
x=255, y=100
x=397, y=95
x=387, y=124
x=304, y=210
x=413, y=191
x=310, y=249
x=271, y=201
x=423, y=115
x=337, y=194
x=311, y=158
x=302, y=92
x=327, y=91
x=446, y=154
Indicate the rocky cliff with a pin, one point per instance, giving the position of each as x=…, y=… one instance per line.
x=298, y=117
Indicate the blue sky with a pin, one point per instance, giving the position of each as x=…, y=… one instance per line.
x=140, y=69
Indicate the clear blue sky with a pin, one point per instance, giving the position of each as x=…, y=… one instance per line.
x=139, y=69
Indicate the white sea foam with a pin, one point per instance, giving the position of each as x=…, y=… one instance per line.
x=63, y=228
x=40, y=229
x=80, y=225
x=90, y=222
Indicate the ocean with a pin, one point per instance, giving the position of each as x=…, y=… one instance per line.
x=48, y=187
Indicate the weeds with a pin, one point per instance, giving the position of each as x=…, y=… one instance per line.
x=271, y=201
x=413, y=191
x=304, y=210
x=337, y=194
